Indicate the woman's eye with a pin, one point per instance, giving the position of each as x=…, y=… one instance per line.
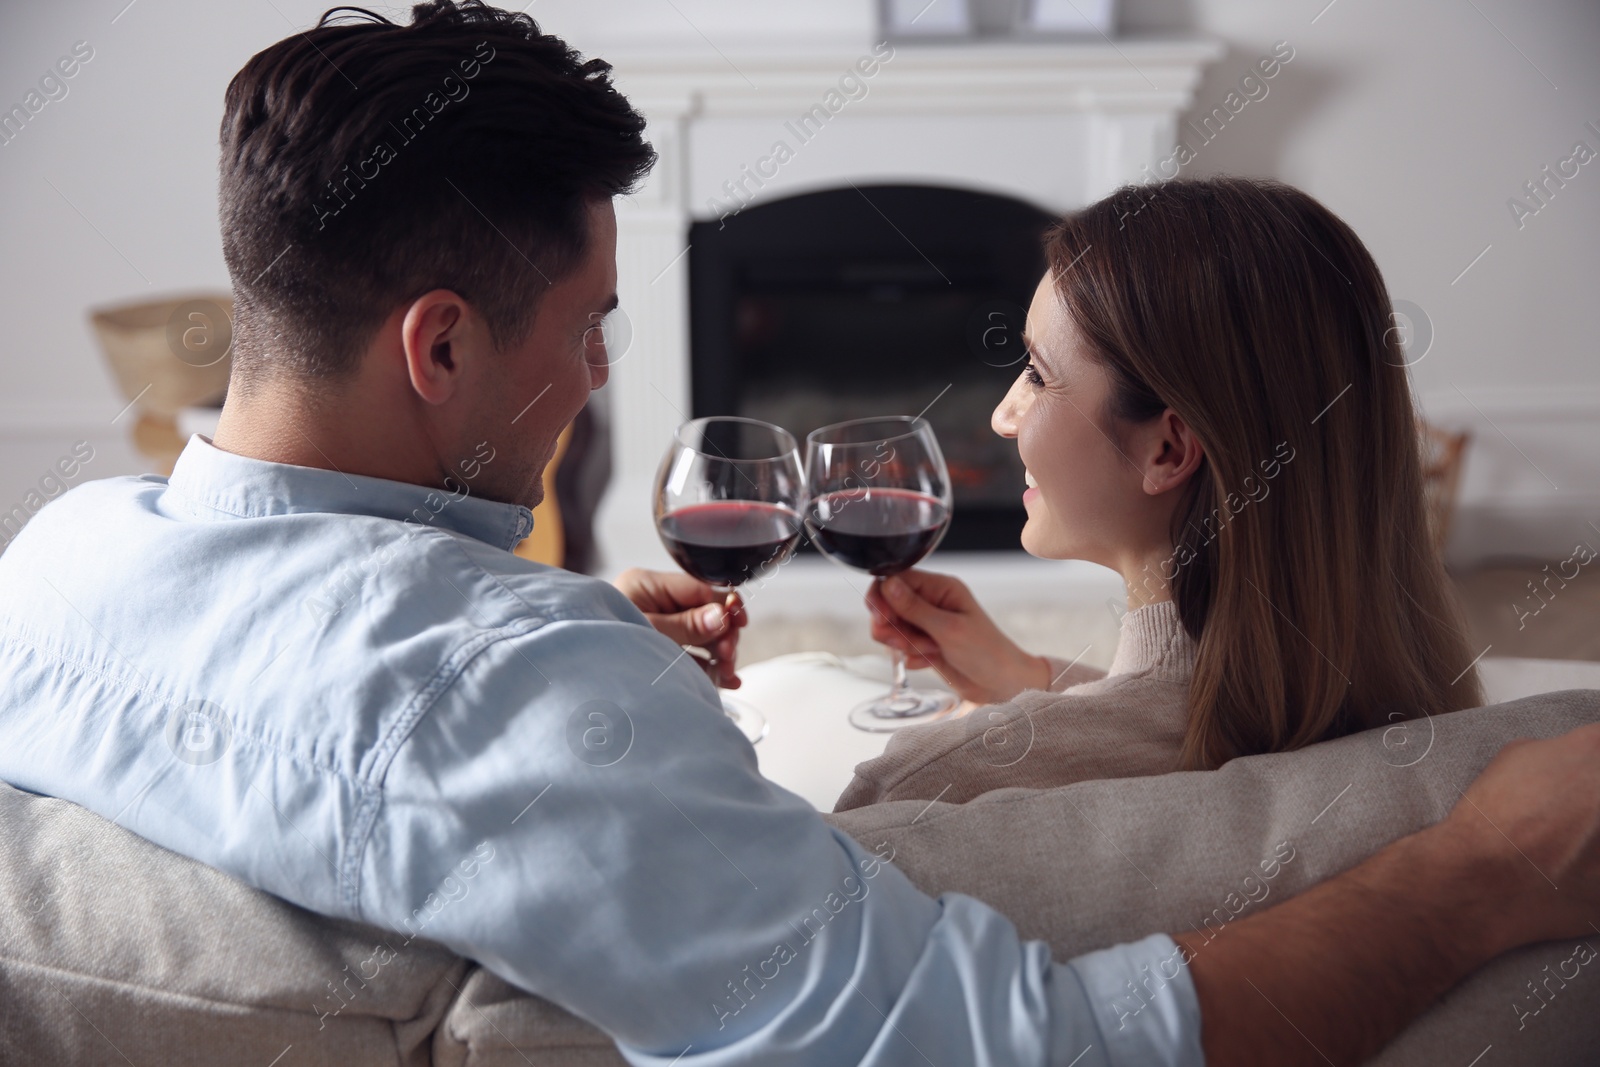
x=1031, y=373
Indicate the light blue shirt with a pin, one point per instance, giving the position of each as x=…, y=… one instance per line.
x=349, y=692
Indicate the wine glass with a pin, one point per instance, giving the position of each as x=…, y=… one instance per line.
x=879, y=502
x=727, y=508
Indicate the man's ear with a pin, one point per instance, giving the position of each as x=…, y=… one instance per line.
x=437, y=337
x=1172, y=454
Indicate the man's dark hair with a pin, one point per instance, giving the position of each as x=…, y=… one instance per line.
x=365, y=163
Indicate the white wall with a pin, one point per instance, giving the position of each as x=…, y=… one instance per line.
x=1415, y=120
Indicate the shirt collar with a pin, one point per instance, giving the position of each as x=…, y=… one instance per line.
x=253, y=488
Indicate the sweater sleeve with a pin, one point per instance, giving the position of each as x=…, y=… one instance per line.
x=910, y=754
x=1067, y=673
x=1127, y=726
x=954, y=760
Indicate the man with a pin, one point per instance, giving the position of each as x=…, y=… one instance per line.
x=309, y=659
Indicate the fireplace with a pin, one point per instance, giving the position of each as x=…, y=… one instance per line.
x=945, y=141
x=874, y=300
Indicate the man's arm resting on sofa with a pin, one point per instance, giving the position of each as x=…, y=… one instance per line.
x=1331, y=975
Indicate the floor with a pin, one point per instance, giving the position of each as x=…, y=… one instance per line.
x=1504, y=613
x=1530, y=609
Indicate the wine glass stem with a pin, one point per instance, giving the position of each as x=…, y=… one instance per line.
x=899, y=687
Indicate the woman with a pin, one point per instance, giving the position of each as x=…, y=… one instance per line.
x=1216, y=407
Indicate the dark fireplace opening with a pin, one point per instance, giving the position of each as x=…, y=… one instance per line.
x=856, y=302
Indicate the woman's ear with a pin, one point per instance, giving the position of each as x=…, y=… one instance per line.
x=1172, y=453
x=436, y=339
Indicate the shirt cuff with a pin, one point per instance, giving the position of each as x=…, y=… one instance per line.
x=1138, y=1008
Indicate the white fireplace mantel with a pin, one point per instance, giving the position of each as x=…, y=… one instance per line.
x=1056, y=124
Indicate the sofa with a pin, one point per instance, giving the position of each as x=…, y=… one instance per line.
x=114, y=950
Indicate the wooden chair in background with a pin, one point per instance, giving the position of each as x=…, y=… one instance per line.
x=548, y=543
x=576, y=479
x=1443, y=456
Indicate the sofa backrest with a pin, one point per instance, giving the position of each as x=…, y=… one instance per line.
x=116, y=950
x=1098, y=863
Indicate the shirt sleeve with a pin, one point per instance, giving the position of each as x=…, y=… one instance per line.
x=574, y=811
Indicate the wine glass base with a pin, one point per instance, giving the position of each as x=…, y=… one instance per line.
x=750, y=722
x=911, y=707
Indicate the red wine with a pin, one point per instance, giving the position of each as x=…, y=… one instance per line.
x=727, y=542
x=880, y=531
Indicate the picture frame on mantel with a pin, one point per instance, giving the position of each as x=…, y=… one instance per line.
x=956, y=20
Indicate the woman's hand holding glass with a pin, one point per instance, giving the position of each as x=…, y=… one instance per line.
x=935, y=620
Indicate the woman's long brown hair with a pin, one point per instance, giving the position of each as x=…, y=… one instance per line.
x=1303, y=565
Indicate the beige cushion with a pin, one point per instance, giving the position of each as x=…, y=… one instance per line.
x=113, y=950
x=111, y=944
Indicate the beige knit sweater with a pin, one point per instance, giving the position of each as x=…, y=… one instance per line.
x=1125, y=723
